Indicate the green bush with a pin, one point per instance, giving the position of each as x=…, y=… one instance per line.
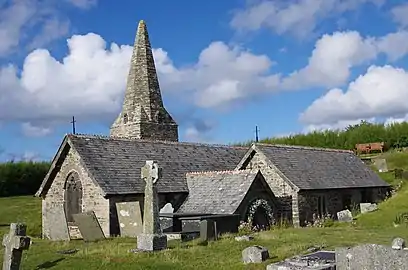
x=394, y=136
x=21, y=178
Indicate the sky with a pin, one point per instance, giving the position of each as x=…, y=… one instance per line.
x=224, y=67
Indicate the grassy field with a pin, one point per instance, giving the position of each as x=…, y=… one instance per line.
x=375, y=227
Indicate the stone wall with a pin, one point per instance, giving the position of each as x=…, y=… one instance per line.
x=282, y=190
x=334, y=201
x=92, y=198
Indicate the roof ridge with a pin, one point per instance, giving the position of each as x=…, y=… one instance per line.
x=305, y=147
x=220, y=172
x=106, y=137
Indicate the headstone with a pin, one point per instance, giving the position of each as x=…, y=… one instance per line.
x=398, y=243
x=166, y=223
x=368, y=207
x=244, y=238
x=58, y=229
x=255, y=254
x=89, y=226
x=345, y=216
x=152, y=237
x=322, y=260
x=372, y=257
x=130, y=219
x=14, y=243
x=208, y=230
x=381, y=164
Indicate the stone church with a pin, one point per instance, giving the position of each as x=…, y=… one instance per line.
x=93, y=173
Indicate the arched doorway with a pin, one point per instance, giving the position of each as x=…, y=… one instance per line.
x=72, y=196
x=260, y=215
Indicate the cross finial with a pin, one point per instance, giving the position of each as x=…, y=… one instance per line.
x=151, y=171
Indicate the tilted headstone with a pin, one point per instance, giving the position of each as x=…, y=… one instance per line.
x=58, y=229
x=152, y=237
x=89, y=226
x=368, y=207
x=255, y=254
x=345, y=216
x=398, y=243
x=381, y=164
x=14, y=243
x=130, y=219
x=371, y=257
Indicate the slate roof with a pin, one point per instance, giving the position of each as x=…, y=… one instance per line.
x=115, y=163
x=217, y=192
x=320, y=168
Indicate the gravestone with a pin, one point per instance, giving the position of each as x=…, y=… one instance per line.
x=381, y=164
x=14, y=243
x=345, y=216
x=152, y=237
x=255, y=254
x=321, y=260
x=368, y=207
x=89, y=226
x=166, y=223
x=130, y=219
x=398, y=243
x=58, y=231
x=208, y=230
x=371, y=257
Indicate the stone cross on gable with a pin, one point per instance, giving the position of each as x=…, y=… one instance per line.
x=151, y=173
x=14, y=243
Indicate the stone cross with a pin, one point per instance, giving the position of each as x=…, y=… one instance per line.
x=14, y=243
x=151, y=222
x=152, y=237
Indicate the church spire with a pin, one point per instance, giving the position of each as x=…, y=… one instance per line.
x=143, y=114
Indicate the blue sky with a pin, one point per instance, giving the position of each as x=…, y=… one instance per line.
x=224, y=66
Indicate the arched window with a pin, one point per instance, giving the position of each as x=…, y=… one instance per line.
x=72, y=196
x=125, y=118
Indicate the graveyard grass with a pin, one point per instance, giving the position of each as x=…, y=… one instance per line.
x=376, y=227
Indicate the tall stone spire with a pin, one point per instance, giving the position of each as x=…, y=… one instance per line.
x=143, y=115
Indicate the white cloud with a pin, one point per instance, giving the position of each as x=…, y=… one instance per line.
x=399, y=14
x=32, y=23
x=30, y=130
x=336, y=54
x=381, y=92
x=90, y=80
x=298, y=17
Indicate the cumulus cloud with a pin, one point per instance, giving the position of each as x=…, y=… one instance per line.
x=298, y=17
x=399, y=14
x=21, y=19
x=336, y=54
x=30, y=130
x=381, y=92
x=90, y=80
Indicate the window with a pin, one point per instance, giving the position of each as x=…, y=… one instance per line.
x=321, y=205
x=125, y=118
x=72, y=196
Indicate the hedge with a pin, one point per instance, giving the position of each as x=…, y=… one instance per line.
x=21, y=178
x=393, y=135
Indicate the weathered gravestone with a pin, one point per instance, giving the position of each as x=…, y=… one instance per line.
x=381, y=164
x=59, y=229
x=321, y=260
x=255, y=254
x=152, y=237
x=14, y=243
x=130, y=219
x=371, y=257
x=398, y=243
x=89, y=226
x=345, y=216
x=208, y=230
x=368, y=207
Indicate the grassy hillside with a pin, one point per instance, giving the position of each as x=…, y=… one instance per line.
x=375, y=227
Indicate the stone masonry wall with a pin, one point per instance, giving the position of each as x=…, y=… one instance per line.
x=334, y=201
x=92, y=198
x=282, y=190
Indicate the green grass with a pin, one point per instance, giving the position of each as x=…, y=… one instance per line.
x=376, y=227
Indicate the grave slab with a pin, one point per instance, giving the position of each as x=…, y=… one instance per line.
x=130, y=219
x=59, y=229
x=89, y=226
x=321, y=260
